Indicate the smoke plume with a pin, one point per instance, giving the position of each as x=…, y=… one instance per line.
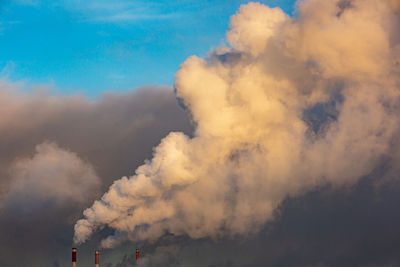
x=53, y=163
x=293, y=104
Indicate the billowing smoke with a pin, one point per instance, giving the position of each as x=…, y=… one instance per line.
x=294, y=103
x=58, y=153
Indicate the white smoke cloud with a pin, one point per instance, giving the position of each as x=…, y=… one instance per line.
x=251, y=35
x=255, y=143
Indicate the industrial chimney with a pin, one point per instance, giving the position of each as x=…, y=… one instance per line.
x=96, y=258
x=73, y=257
x=137, y=254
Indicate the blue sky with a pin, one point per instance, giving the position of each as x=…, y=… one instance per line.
x=92, y=46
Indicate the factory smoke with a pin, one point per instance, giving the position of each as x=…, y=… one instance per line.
x=54, y=163
x=292, y=104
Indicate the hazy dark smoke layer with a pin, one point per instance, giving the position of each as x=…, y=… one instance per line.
x=59, y=153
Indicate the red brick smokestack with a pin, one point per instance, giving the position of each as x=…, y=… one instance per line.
x=73, y=257
x=96, y=258
x=137, y=254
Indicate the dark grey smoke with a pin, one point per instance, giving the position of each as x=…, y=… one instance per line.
x=343, y=5
x=355, y=226
x=113, y=134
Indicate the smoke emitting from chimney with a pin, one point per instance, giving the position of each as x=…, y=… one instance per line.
x=254, y=144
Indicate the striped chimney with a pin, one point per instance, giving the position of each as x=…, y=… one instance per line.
x=96, y=258
x=73, y=257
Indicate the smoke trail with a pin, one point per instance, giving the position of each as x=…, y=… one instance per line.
x=54, y=164
x=293, y=104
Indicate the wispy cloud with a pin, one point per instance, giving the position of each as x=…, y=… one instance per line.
x=28, y=2
x=107, y=11
x=4, y=25
x=131, y=17
x=7, y=69
x=120, y=11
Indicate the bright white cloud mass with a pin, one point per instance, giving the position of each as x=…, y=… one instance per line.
x=294, y=103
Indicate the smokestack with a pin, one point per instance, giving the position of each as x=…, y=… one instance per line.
x=96, y=258
x=137, y=254
x=73, y=257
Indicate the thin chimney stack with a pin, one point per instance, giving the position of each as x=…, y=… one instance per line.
x=96, y=258
x=73, y=257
